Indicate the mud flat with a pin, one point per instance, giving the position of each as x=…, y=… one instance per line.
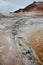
x=8, y=50
x=19, y=37
x=30, y=41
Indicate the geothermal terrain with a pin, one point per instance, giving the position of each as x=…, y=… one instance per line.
x=21, y=36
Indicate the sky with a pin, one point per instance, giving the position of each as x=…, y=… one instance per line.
x=12, y=5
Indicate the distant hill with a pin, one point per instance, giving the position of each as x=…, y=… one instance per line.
x=3, y=16
x=35, y=6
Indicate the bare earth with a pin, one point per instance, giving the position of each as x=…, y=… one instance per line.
x=21, y=41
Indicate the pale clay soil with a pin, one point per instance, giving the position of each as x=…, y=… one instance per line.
x=21, y=41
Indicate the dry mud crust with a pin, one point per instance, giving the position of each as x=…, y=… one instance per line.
x=36, y=42
x=8, y=51
x=34, y=39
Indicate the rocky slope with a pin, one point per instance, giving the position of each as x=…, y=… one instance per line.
x=36, y=8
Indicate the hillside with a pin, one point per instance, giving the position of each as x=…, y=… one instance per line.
x=35, y=6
